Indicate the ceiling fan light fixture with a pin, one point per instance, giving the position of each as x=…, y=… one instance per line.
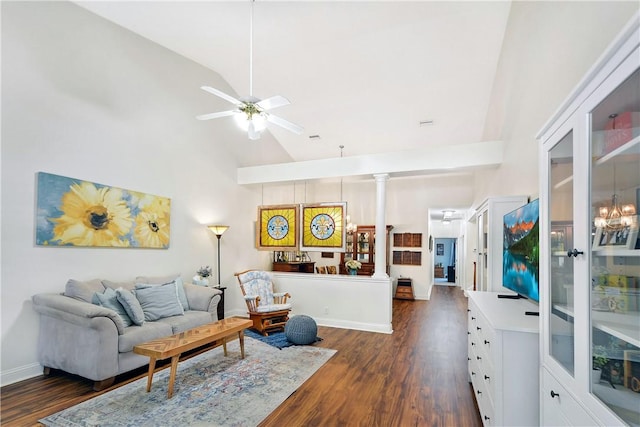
x=254, y=124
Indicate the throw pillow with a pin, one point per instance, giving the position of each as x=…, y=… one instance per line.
x=109, y=299
x=167, y=279
x=159, y=301
x=83, y=291
x=131, y=305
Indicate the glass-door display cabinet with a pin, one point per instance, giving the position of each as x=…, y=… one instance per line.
x=360, y=246
x=590, y=251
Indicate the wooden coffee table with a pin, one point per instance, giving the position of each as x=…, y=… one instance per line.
x=216, y=333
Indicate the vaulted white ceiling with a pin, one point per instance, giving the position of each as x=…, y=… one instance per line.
x=358, y=74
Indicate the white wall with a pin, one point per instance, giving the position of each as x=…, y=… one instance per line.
x=548, y=48
x=86, y=99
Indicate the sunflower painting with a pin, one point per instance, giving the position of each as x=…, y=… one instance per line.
x=71, y=212
x=323, y=227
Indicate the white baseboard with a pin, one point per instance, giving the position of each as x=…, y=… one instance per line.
x=333, y=323
x=19, y=374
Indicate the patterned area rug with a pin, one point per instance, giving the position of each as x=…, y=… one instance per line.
x=210, y=390
x=276, y=339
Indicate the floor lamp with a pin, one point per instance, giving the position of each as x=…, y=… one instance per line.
x=218, y=230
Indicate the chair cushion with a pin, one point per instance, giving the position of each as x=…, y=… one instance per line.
x=273, y=307
x=261, y=288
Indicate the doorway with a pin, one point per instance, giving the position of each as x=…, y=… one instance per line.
x=445, y=252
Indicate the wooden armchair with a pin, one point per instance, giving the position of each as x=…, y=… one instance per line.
x=268, y=310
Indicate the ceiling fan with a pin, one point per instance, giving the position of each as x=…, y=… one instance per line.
x=251, y=113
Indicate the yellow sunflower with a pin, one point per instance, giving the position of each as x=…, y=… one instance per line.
x=92, y=217
x=152, y=222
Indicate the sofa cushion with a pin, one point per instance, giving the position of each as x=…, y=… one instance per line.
x=109, y=299
x=159, y=301
x=189, y=320
x=83, y=291
x=134, y=335
x=161, y=280
x=131, y=305
x=128, y=285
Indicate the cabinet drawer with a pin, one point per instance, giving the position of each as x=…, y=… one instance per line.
x=561, y=409
x=483, y=399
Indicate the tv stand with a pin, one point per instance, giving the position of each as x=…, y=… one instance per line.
x=509, y=296
x=503, y=359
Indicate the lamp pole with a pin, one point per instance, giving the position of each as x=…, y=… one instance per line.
x=218, y=230
x=219, y=236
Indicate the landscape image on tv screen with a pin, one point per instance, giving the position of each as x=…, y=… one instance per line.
x=521, y=251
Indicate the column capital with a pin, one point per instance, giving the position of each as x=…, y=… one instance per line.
x=381, y=176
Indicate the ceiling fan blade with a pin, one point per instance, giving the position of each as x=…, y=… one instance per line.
x=222, y=95
x=217, y=115
x=285, y=124
x=273, y=102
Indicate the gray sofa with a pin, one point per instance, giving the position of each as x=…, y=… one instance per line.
x=79, y=336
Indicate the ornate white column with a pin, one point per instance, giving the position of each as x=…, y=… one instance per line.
x=381, y=226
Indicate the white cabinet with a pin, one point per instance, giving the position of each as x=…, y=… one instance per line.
x=489, y=221
x=503, y=359
x=589, y=247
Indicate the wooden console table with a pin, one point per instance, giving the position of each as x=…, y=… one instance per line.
x=294, y=267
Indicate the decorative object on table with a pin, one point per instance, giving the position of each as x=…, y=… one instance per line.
x=353, y=266
x=218, y=230
x=210, y=389
x=323, y=227
x=202, y=276
x=73, y=212
x=278, y=228
x=301, y=329
x=268, y=310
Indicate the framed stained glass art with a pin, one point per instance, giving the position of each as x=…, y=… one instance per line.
x=323, y=227
x=277, y=228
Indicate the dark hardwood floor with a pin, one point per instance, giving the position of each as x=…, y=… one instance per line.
x=416, y=376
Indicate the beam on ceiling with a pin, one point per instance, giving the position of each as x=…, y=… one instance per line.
x=437, y=159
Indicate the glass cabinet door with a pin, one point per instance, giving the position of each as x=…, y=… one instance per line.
x=363, y=247
x=615, y=252
x=561, y=274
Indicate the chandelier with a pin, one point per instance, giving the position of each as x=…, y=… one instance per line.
x=615, y=217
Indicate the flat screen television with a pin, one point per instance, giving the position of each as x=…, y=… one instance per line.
x=521, y=249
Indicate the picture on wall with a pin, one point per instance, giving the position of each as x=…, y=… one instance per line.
x=439, y=249
x=323, y=227
x=615, y=238
x=73, y=212
x=277, y=228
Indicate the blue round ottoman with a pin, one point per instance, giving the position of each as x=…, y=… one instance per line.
x=301, y=329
